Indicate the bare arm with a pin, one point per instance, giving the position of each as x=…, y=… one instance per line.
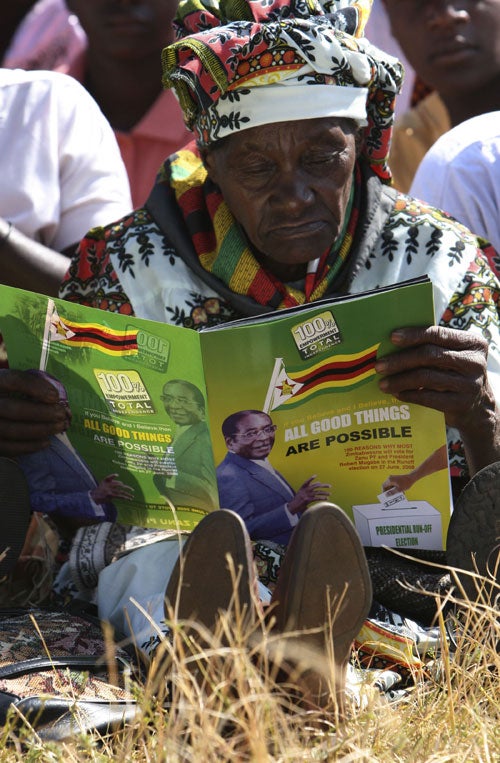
x=26, y=264
x=434, y=463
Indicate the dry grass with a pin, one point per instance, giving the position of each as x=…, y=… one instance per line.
x=217, y=698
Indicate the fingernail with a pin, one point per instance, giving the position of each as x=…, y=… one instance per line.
x=397, y=336
x=383, y=385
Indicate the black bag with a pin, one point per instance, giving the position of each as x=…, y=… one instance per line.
x=56, y=670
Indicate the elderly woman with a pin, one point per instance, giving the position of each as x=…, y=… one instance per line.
x=285, y=198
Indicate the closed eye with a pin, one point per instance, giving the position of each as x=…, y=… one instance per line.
x=256, y=167
x=323, y=157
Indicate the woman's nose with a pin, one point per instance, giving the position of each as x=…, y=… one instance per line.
x=293, y=192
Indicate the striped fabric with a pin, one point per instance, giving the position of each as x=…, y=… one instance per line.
x=224, y=250
x=226, y=52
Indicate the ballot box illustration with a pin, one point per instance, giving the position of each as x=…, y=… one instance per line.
x=404, y=525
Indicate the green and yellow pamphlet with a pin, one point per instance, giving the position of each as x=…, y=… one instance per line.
x=311, y=369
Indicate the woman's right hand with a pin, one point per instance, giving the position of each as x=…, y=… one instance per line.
x=30, y=413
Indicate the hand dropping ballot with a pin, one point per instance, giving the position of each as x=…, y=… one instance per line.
x=396, y=522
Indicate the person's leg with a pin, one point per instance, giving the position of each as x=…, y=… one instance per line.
x=131, y=592
x=15, y=514
x=188, y=577
x=323, y=587
x=211, y=604
x=473, y=540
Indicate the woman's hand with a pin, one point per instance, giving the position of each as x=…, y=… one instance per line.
x=446, y=369
x=30, y=413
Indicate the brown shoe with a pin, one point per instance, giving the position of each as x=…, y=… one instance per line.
x=323, y=587
x=473, y=541
x=214, y=572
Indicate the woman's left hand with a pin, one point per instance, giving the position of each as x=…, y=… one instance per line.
x=440, y=368
x=446, y=369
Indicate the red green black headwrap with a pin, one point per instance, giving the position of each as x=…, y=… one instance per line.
x=243, y=63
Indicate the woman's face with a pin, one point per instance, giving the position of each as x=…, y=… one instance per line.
x=288, y=185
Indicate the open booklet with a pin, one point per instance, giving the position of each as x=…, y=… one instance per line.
x=149, y=401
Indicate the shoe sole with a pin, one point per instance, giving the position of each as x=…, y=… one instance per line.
x=327, y=588
x=473, y=541
x=15, y=513
x=202, y=583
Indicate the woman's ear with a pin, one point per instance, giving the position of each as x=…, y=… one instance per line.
x=208, y=159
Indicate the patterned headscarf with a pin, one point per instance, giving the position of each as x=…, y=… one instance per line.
x=242, y=63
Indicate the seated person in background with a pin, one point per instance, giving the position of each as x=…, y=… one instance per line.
x=61, y=172
x=114, y=51
x=461, y=174
x=115, y=54
x=249, y=485
x=453, y=48
x=239, y=219
x=121, y=70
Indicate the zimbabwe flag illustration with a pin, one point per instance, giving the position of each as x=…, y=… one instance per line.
x=102, y=338
x=338, y=372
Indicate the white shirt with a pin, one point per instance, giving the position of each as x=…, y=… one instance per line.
x=461, y=174
x=62, y=172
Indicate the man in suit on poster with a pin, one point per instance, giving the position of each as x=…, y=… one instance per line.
x=249, y=485
x=61, y=483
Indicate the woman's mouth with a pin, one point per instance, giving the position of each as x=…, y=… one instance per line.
x=298, y=229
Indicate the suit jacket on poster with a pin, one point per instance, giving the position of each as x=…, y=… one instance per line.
x=195, y=481
x=257, y=495
x=60, y=484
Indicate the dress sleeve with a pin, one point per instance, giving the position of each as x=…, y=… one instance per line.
x=91, y=279
x=475, y=307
